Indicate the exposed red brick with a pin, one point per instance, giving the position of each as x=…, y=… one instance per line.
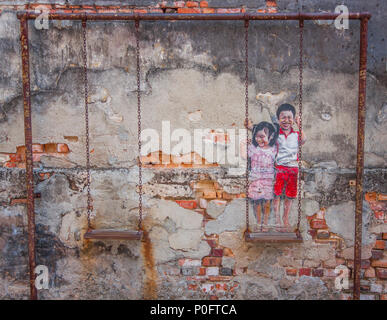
x=209, y=194
x=212, y=243
x=379, y=215
x=208, y=10
x=318, y=272
x=179, y=4
x=140, y=10
x=40, y=5
x=379, y=244
x=62, y=148
x=23, y=200
x=36, y=157
x=192, y=286
x=18, y=201
x=36, y=147
x=216, y=252
x=380, y=263
x=211, y=261
x=126, y=10
x=187, y=204
x=10, y=165
x=271, y=3
x=365, y=264
x=202, y=271
x=219, y=278
x=318, y=224
x=229, y=10
x=189, y=262
x=50, y=148
x=44, y=175
x=313, y=233
x=370, y=273
x=228, y=196
x=188, y=10
x=14, y=157
x=371, y=196
x=71, y=138
x=191, y=4
x=381, y=273
x=291, y=272
x=155, y=10
x=304, y=272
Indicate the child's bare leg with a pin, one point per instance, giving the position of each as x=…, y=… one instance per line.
x=266, y=214
x=287, y=206
x=258, y=211
x=276, y=210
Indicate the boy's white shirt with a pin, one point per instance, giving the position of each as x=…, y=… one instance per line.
x=287, y=155
x=287, y=149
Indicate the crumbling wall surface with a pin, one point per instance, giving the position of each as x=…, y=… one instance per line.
x=194, y=220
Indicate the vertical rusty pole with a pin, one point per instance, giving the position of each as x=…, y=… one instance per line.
x=29, y=160
x=360, y=156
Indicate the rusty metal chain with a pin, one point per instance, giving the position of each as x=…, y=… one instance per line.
x=86, y=92
x=137, y=24
x=301, y=30
x=247, y=118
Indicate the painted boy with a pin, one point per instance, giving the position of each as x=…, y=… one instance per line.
x=286, y=160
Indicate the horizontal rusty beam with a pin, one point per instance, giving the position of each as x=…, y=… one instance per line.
x=195, y=16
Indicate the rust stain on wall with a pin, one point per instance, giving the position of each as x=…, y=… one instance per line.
x=150, y=285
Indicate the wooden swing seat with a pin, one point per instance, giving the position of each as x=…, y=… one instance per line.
x=273, y=236
x=113, y=234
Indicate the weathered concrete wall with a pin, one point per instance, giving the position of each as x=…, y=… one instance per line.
x=193, y=76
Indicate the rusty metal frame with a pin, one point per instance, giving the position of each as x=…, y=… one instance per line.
x=24, y=16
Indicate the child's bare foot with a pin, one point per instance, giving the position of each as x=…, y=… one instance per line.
x=278, y=227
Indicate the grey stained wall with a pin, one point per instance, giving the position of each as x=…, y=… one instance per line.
x=187, y=68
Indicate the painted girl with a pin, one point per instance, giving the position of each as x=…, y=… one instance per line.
x=261, y=154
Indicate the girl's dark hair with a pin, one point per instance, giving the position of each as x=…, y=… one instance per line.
x=270, y=129
x=286, y=107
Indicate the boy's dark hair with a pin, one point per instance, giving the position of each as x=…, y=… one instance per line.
x=270, y=130
x=286, y=107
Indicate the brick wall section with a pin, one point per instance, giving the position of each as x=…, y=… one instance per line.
x=161, y=7
x=211, y=275
x=18, y=159
x=320, y=232
x=158, y=159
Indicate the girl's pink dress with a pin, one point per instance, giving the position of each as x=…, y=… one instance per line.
x=262, y=172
